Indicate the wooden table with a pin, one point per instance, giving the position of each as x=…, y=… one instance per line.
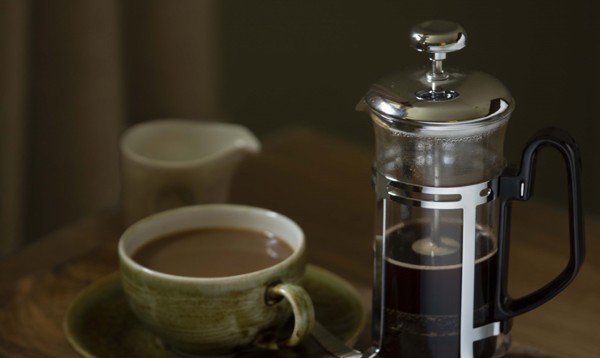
x=324, y=184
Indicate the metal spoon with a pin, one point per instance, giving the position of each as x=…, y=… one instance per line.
x=332, y=344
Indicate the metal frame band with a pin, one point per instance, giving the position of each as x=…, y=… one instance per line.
x=465, y=198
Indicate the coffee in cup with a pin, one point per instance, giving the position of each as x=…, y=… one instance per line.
x=210, y=279
x=213, y=252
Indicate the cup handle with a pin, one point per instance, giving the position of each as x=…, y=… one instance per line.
x=303, y=310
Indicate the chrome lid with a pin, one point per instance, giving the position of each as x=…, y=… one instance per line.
x=436, y=95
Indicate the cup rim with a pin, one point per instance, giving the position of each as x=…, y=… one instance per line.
x=128, y=260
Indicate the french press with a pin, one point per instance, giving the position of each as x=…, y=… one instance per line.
x=444, y=195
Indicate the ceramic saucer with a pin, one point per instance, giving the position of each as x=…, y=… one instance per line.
x=100, y=324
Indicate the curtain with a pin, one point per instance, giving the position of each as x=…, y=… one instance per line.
x=13, y=63
x=73, y=75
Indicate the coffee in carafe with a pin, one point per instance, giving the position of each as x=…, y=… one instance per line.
x=429, y=322
x=443, y=198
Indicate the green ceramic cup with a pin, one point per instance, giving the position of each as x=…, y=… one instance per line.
x=218, y=315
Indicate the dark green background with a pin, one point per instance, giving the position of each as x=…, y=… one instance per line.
x=309, y=62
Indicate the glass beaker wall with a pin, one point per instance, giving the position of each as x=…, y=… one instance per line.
x=423, y=155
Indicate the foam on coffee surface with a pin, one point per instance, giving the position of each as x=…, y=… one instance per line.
x=428, y=246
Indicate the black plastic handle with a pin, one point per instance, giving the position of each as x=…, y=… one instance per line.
x=518, y=185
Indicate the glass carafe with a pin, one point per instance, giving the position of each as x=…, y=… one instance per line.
x=443, y=207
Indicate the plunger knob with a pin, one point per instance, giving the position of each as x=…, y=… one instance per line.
x=438, y=37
